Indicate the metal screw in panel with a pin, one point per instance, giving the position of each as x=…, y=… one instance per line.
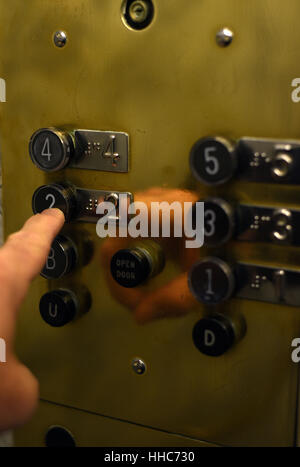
x=138, y=366
x=60, y=39
x=138, y=11
x=224, y=37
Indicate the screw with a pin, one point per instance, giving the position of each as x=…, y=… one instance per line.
x=138, y=11
x=138, y=366
x=60, y=39
x=224, y=37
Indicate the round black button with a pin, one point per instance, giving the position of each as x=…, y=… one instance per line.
x=61, y=196
x=50, y=149
x=213, y=336
x=211, y=281
x=59, y=437
x=61, y=259
x=219, y=222
x=58, y=307
x=213, y=160
x=130, y=268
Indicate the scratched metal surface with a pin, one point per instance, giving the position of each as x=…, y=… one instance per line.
x=166, y=86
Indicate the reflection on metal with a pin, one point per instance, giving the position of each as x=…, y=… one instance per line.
x=168, y=85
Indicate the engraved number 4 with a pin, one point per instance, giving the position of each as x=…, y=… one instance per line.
x=110, y=149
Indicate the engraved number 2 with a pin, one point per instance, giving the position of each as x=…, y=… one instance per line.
x=52, y=198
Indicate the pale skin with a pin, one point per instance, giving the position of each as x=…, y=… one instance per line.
x=21, y=259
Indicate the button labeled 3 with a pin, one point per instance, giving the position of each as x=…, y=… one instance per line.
x=219, y=221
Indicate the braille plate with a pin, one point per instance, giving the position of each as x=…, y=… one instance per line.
x=256, y=155
x=101, y=150
x=266, y=284
x=88, y=201
x=260, y=223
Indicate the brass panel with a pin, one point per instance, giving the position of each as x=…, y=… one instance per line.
x=92, y=430
x=166, y=87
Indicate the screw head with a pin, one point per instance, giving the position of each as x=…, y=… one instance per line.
x=224, y=37
x=138, y=366
x=60, y=38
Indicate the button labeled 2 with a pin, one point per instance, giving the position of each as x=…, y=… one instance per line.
x=61, y=196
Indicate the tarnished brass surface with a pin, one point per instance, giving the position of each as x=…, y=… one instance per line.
x=92, y=430
x=166, y=86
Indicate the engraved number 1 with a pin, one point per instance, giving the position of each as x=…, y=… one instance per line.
x=209, y=290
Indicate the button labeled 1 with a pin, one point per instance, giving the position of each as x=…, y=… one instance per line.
x=211, y=281
x=61, y=196
x=214, y=335
x=213, y=160
x=61, y=259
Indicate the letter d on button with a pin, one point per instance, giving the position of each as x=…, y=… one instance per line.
x=209, y=338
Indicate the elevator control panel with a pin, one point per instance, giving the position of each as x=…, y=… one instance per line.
x=127, y=113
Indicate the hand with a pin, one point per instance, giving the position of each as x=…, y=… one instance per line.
x=21, y=259
x=173, y=299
